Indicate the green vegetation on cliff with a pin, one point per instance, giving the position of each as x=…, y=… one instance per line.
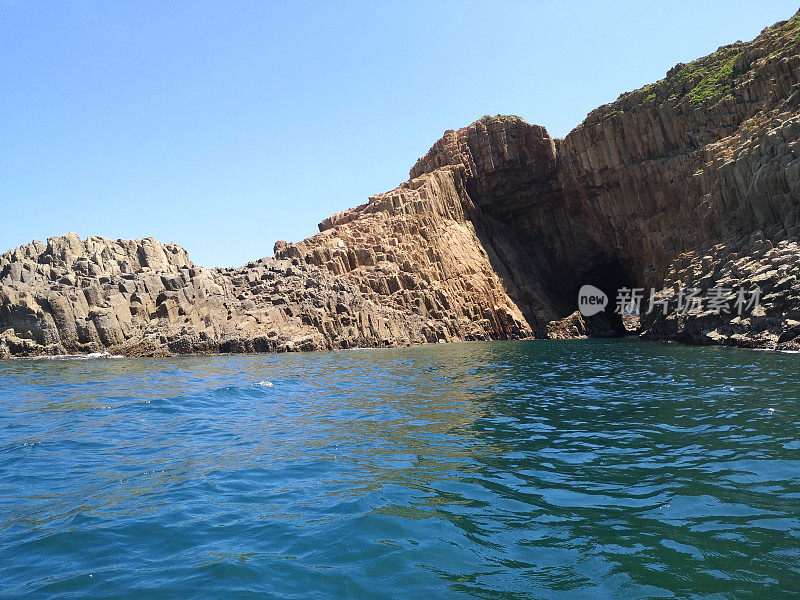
x=716, y=80
x=710, y=79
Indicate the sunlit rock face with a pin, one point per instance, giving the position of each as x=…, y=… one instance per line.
x=703, y=161
x=693, y=180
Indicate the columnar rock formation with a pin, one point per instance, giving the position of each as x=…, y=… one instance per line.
x=693, y=180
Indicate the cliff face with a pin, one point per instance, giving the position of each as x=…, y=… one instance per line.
x=689, y=167
x=706, y=155
x=406, y=268
x=691, y=180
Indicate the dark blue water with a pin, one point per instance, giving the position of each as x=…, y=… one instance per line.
x=595, y=469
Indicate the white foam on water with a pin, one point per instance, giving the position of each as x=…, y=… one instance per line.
x=263, y=384
x=89, y=356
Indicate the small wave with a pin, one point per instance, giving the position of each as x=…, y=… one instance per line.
x=235, y=389
x=89, y=356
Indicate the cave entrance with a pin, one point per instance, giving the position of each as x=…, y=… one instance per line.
x=609, y=276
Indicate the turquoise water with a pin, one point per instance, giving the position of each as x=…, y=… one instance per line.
x=588, y=469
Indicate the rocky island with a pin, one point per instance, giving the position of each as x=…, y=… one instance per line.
x=692, y=180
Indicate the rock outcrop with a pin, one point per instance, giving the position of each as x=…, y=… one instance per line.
x=691, y=181
x=407, y=269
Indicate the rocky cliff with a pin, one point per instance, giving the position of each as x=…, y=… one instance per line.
x=693, y=180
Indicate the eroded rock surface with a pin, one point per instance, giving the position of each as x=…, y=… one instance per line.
x=358, y=284
x=693, y=180
x=746, y=264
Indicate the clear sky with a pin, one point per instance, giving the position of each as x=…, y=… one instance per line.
x=227, y=125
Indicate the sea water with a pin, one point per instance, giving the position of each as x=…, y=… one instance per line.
x=585, y=469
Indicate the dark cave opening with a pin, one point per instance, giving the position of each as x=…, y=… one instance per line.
x=543, y=276
x=610, y=276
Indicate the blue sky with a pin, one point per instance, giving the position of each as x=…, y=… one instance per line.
x=225, y=126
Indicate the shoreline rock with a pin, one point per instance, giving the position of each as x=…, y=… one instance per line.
x=692, y=180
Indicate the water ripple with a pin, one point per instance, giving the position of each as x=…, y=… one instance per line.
x=599, y=469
